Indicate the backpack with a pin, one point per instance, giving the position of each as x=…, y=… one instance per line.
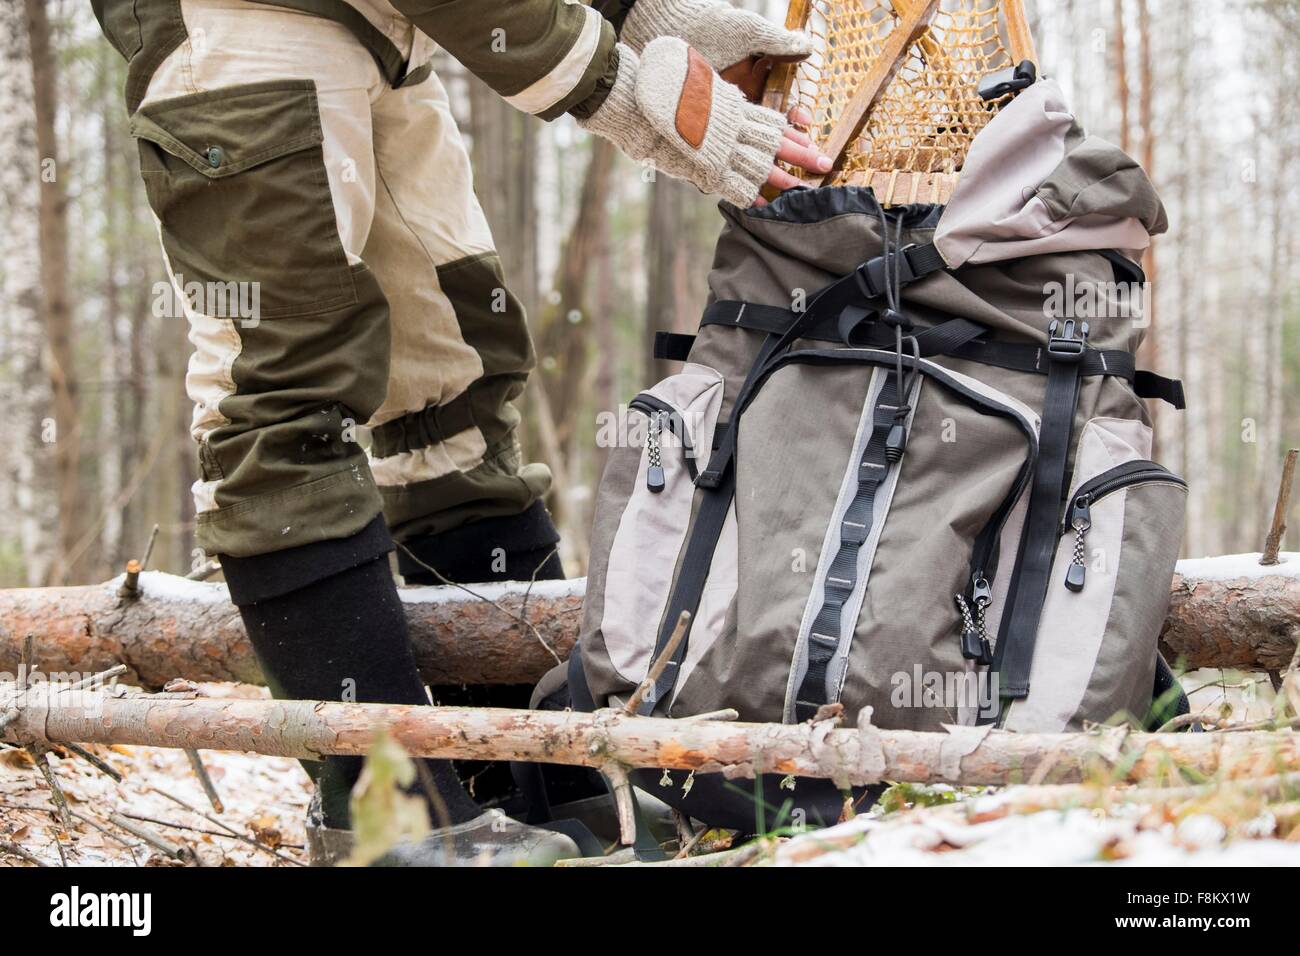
x=905, y=466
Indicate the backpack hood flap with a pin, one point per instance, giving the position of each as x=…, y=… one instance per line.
x=1035, y=183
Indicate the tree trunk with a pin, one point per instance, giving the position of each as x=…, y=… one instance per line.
x=26, y=392
x=606, y=739
x=177, y=628
x=56, y=307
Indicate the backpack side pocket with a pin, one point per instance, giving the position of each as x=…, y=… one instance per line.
x=670, y=430
x=1109, y=588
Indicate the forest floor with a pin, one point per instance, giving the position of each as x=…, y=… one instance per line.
x=265, y=801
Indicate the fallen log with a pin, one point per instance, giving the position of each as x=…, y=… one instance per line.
x=1231, y=611
x=189, y=629
x=1224, y=612
x=613, y=741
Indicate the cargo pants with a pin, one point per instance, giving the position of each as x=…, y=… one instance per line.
x=317, y=215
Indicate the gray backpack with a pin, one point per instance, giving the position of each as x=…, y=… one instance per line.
x=905, y=464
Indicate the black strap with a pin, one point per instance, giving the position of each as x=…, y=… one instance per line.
x=842, y=573
x=690, y=585
x=1019, y=630
x=673, y=346
x=1150, y=385
x=956, y=338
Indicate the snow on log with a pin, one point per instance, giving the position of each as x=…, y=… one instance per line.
x=611, y=739
x=1224, y=612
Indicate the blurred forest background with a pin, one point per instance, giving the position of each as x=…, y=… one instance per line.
x=95, y=434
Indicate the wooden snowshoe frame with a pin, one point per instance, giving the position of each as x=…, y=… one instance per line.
x=893, y=86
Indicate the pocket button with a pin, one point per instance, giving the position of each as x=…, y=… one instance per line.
x=215, y=155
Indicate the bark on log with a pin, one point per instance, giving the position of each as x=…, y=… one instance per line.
x=962, y=755
x=1248, y=621
x=179, y=628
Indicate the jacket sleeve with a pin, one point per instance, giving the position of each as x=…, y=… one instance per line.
x=545, y=57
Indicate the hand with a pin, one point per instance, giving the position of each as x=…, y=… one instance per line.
x=796, y=149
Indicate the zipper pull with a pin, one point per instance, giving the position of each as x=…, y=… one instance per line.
x=654, y=476
x=1080, y=521
x=975, y=644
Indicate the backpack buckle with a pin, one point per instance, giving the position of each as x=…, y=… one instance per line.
x=870, y=275
x=1010, y=80
x=1066, y=341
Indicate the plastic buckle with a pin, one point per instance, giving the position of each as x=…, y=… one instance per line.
x=870, y=275
x=1063, y=345
x=1010, y=80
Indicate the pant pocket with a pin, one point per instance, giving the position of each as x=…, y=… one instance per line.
x=670, y=427
x=236, y=177
x=1095, y=656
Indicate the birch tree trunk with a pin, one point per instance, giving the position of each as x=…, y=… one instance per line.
x=28, y=390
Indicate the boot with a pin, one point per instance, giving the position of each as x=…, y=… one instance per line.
x=490, y=839
x=520, y=547
x=325, y=620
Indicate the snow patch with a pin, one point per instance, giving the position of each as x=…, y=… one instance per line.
x=448, y=594
x=173, y=587
x=1049, y=838
x=1228, y=567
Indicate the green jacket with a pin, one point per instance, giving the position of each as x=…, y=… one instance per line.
x=546, y=57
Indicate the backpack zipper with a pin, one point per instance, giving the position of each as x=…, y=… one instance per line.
x=1079, y=512
x=660, y=413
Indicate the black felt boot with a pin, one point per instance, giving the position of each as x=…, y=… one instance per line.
x=326, y=624
x=520, y=547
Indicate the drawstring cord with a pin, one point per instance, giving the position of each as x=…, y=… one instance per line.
x=893, y=285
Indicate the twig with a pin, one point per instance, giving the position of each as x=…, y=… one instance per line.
x=27, y=661
x=148, y=548
x=736, y=856
x=205, y=781
x=131, y=583
x=691, y=844
x=153, y=838
x=225, y=826
x=1221, y=726
x=101, y=765
x=204, y=571
x=727, y=713
x=212, y=833
x=682, y=824
x=504, y=610
x=89, y=821
x=14, y=848
x=115, y=671
x=660, y=664
x=624, y=801
x=1274, y=540
x=617, y=858
x=39, y=754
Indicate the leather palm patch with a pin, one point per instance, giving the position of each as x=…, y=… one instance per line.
x=696, y=100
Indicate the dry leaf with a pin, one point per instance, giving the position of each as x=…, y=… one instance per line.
x=17, y=759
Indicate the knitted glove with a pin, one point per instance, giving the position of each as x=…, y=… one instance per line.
x=671, y=107
x=724, y=35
